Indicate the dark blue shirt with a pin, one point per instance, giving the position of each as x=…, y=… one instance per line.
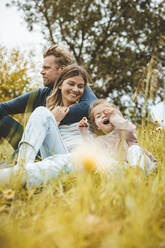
x=34, y=99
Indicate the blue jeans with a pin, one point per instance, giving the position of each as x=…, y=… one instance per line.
x=42, y=134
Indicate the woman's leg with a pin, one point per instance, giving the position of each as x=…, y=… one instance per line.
x=41, y=133
x=37, y=173
x=46, y=170
x=6, y=174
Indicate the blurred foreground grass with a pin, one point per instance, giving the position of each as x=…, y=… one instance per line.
x=89, y=210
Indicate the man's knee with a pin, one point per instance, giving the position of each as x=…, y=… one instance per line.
x=8, y=126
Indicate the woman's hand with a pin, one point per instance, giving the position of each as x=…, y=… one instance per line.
x=60, y=112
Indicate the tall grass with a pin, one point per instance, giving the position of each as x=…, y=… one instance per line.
x=90, y=210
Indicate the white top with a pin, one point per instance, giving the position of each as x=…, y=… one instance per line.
x=70, y=135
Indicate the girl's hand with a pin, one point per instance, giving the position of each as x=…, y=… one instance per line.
x=60, y=112
x=112, y=111
x=84, y=128
x=83, y=123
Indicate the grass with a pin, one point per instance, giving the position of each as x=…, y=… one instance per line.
x=89, y=210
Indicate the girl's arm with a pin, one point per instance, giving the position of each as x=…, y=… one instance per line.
x=84, y=128
x=125, y=126
x=119, y=122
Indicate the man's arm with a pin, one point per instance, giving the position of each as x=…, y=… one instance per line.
x=10, y=129
x=15, y=106
x=80, y=110
x=24, y=103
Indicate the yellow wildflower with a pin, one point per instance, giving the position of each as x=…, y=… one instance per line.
x=9, y=194
x=158, y=129
x=89, y=163
x=156, y=121
x=92, y=157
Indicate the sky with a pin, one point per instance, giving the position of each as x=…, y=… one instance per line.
x=13, y=29
x=14, y=34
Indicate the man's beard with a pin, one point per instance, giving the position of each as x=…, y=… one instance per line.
x=49, y=85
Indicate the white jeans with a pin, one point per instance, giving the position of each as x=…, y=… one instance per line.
x=38, y=173
x=42, y=133
x=44, y=171
x=136, y=156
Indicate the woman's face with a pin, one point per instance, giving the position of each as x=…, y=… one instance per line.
x=71, y=90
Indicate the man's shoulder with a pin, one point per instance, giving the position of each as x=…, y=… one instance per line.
x=44, y=90
x=41, y=92
x=38, y=92
x=40, y=96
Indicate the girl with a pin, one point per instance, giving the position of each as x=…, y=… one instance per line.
x=119, y=135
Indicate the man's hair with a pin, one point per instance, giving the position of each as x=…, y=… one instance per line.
x=62, y=57
x=92, y=107
x=69, y=71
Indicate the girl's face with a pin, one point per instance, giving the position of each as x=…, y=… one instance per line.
x=101, y=117
x=71, y=90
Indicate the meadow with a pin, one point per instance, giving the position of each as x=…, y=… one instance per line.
x=89, y=210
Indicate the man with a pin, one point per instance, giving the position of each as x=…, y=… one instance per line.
x=55, y=59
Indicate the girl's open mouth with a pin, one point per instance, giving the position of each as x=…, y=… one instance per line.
x=106, y=122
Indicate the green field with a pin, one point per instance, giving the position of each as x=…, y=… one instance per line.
x=87, y=209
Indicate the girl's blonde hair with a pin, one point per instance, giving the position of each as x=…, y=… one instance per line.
x=55, y=99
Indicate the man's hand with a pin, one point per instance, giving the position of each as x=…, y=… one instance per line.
x=60, y=112
x=83, y=123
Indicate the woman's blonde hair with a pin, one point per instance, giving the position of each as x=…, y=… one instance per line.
x=69, y=71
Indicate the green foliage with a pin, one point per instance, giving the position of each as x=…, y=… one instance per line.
x=14, y=78
x=114, y=39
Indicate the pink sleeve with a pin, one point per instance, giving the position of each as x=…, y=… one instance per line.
x=84, y=131
x=120, y=123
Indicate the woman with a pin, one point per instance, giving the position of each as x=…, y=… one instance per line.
x=42, y=132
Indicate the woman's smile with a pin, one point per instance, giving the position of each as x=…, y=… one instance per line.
x=72, y=89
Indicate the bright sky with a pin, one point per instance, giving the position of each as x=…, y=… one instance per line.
x=13, y=30
x=14, y=34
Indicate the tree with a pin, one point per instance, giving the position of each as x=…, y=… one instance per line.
x=114, y=39
x=14, y=77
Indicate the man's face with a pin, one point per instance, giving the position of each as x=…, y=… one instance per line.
x=50, y=71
